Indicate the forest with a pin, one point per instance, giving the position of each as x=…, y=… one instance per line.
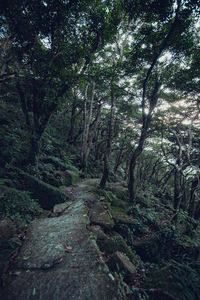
x=105, y=91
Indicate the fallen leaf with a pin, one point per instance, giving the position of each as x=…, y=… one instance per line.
x=17, y=273
x=68, y=248
x=69, y=232
x=57, y=261
x=26, y=257
x=103, y=213
x=34, y=292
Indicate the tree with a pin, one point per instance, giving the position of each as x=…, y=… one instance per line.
x=173, y=22
x=52, y=43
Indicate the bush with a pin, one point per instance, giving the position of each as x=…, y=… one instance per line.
x=18, y=205
x=179, y=280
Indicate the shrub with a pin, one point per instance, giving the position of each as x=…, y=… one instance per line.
x=18, y=205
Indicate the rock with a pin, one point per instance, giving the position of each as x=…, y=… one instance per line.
x=99, y=215
x=120, y=203
x=47, y=195
x=147, y=248
x=121, y=262
x=7, y=230
x=98, y=232
x=61, y=207
x=59, y=260
x=70, y=177
x=116, y=243
x=119, y=190
x=122, y=218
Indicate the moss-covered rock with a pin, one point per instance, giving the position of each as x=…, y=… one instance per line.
x=120, y=262
x=120, y=203
x=52, y=179
x=46, y=194
x=120, y=217
x=116, y=243
x=119, y=190
x=148, y=248
x=100, y=215
x=70, y=177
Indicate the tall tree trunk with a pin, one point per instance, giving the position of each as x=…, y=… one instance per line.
x=191, y=209
x=34, y=151
x=146, y=119
x=105, y=175
x=72, y=121
x=177, y=189
x=135, y=155
x=118, y=159
x=89, y=129
x=152, y=103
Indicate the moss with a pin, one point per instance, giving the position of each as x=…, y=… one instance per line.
x=116, y=243
x=99, y=215
x=70, y=177
x=120, y=192
x=120, y=217
x=46, y=194
x=105, y=194
x=120, y=203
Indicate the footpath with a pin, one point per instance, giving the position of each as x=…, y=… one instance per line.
x=59, y=259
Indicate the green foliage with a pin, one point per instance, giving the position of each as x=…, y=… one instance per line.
x=167, y=239
x=18, y=206
x=46, y=194
x=178, y=279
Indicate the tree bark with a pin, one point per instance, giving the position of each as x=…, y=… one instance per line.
x=191, y=209
x=177, y=189
x=108, y=143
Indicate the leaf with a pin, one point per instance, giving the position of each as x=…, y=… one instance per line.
x=68, y=248
x=17, y=273
x=34, y=292
x=26, y=257
x=57, y=261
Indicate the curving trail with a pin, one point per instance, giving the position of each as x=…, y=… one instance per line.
x=59, y=259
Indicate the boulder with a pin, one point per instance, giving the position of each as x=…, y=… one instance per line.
x=120, y=203
x=147, y=248
x=61, y=207
x=100, y=215
x=46, y=194
x=122, y=218
x=116, y=243
x=70, y=177
x=121, y=262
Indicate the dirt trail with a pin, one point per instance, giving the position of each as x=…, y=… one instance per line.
x=59, y=259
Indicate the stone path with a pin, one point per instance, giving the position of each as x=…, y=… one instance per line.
x=60, y=260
